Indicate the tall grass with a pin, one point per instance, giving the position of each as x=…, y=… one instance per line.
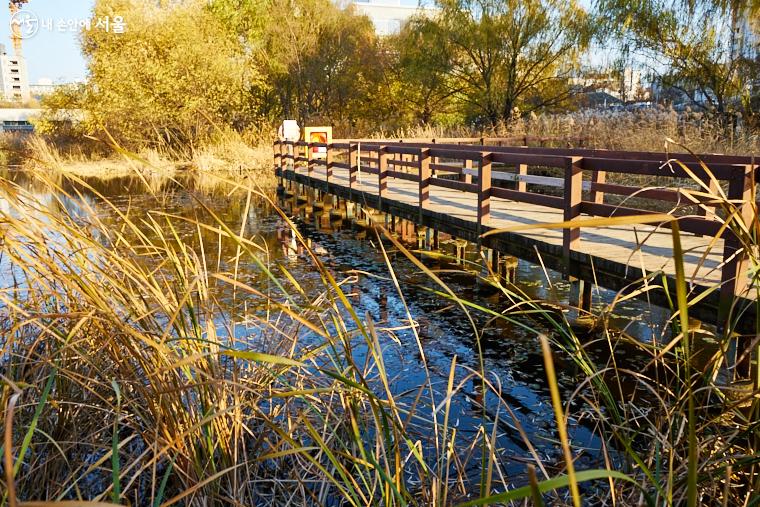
x=645, y=130
x=225, y=151
x=141, y=365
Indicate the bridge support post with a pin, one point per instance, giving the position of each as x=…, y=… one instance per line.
x=489, y=258
x=734, y=279
x=422, y=233
x=571, y=236
x=461, y=250
x=580, y=295
x=506, y=269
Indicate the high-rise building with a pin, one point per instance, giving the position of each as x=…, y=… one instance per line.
x=15, y=77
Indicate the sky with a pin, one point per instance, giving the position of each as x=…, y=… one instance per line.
x=53, y=52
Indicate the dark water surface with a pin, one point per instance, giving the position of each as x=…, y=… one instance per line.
x=512, y=355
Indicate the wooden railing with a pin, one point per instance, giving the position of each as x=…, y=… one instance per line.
x=455, y=166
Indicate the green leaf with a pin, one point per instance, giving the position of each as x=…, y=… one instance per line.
x=262, y=358
x=561, y=481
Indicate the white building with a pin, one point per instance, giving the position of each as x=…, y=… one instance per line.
x=632, y=88
x=15, y=77
x=389, y=16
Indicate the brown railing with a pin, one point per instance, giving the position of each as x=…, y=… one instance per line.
x=470, y=168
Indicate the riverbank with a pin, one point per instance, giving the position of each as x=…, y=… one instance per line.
x=227, y=154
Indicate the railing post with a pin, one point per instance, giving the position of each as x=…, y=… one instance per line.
x=328, y=163
x=709, y=214
x=734, y=280
x=433, y=160
x=522, y=185
x=424, y=179
x=597, y=177
x=484, y=190
x=382, y=174
x=283, y=156
x=277, y=150
x=467, y=178
x=309, y=161
x=353, y=166
x=571, y=236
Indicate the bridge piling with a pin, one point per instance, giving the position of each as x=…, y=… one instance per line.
x=435, y=185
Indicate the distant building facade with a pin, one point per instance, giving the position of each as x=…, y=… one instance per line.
x=632, y=88
x=389, y=16
x=15, y=77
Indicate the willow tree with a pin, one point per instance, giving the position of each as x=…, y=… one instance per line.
x=321, y=62
x=173, y=75
x=513, y=55
x=422, y=71
x=705, y=49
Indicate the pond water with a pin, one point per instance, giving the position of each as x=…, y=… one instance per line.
x=512, y=355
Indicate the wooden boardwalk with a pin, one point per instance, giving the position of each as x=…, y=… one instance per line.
x=432, y=185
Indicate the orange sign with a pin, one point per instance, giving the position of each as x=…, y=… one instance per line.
x=322, y=135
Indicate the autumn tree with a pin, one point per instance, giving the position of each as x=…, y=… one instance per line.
x=513, y=54
x=173, y=75
x=423, y=70
x=321, y=62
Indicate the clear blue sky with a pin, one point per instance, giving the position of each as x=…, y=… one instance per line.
x=52, y=53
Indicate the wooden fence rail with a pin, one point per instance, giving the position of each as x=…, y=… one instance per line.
x=461, y=164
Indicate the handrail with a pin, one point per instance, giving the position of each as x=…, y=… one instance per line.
x=488, y=164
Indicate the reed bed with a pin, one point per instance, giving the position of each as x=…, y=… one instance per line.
x=225, y=151
x=655, y=129
x=142, y=367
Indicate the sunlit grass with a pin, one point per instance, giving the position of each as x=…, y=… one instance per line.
x=130, y=376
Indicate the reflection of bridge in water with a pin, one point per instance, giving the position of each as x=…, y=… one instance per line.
x=468, y=190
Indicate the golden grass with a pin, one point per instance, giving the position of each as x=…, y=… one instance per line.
x=226, y=152
x=647, y=130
